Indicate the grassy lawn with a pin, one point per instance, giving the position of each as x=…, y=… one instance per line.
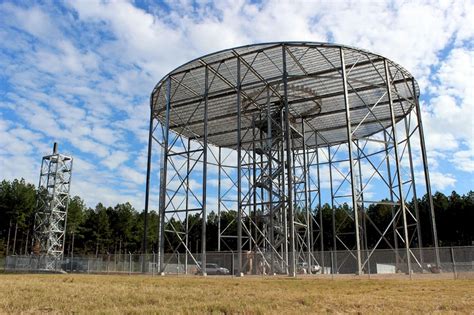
x=144, y=294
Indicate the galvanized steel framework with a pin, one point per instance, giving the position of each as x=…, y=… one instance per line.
x=51, y=212
x=269, y=119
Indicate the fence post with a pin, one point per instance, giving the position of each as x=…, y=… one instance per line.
x=177, y=266
x=130, y=263
x=454, y=264
x=153, y=266
x=186, y=262
x=88, y=261
x=232, y=265
x=368, y=262
x=332, y=265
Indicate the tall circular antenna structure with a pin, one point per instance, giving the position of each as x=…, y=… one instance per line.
x=276, y=139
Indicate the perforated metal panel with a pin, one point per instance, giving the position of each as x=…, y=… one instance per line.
x=315, y=91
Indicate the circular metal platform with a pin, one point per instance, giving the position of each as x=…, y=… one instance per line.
x=315, y=92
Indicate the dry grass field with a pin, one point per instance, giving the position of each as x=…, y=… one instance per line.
x=251, y=295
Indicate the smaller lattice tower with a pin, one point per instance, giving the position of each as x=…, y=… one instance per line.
x=51, y=210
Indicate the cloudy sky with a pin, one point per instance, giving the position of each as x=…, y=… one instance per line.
x=81, y=72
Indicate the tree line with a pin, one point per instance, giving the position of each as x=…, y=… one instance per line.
x=119, y=229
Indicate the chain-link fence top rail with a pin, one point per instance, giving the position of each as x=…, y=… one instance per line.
x=315, y=91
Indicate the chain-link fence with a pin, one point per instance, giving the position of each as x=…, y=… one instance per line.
x=458, y=261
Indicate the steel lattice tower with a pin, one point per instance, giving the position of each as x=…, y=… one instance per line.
x=288, y=127
x=51, y=213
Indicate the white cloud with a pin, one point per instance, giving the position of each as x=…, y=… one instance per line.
x=449, y=116
x=115, y=159
x=455, y=74
x=464, y=160
x=132, y=175
x=89, y=146
x=441, y=181
x=105, y=135
x=32, y=20
x=84, y=78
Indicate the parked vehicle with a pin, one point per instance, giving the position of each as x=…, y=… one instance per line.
x=215, y=269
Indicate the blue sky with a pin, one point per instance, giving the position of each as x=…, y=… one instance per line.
x=81, y=72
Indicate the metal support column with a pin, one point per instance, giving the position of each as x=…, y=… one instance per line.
x=289, y=163
x=390, y=187
x=219, y=198
x=427, y=176
x=351, y=161
x=239, y=173
x=309, y=220
x=413, y=185
x=365, y=246
x=147, y=189
x=397, y=163
x=204, y=178
x=334, y=267
x=186, y=201
x=270, y=191
x=320, y=208
x=163, y=179
x=283, y=192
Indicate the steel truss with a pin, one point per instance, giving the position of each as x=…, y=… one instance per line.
x=270, y=122
x=51, y=210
